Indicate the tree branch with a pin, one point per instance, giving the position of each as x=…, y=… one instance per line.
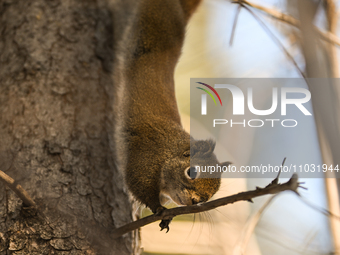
x=272, y=188
x=10, y=182
x=327, y=36
x=274, y=38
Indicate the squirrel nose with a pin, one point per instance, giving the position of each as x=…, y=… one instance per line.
x=194, y=201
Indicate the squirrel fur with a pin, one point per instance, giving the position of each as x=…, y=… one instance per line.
x=152, y=147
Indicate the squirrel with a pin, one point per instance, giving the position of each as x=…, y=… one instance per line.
x=153, y=149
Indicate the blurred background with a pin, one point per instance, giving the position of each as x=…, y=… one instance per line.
x=270, y=39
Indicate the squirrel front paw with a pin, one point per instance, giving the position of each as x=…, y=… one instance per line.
x=159, y=210
x=165, y=222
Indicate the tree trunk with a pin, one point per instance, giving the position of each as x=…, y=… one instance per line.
x=56, y=122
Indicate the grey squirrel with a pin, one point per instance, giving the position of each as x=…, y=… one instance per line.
x=153, y=149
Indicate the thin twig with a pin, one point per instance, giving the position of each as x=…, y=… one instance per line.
x=292, y=185
x=242, y=244
x=232, y=35
x=10, y=182
x=320, y=209
x=332, y=22
x=276, y=180
x=327, y=36
x=274, y=38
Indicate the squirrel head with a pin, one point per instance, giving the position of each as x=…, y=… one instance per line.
x=183, y=183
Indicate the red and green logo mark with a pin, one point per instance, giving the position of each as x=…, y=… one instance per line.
x=209, y=93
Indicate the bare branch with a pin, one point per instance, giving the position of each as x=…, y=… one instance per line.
x=332, y=187
x=234, y=25
x=244, y=238
x=10, y=182
x=274, y=38
x=272, y=188
x=327, y=36
x=320, y=209
x=332, y=21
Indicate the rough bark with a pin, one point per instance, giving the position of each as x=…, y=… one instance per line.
x=56, y=118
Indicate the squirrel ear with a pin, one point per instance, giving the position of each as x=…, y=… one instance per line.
x=205, y=147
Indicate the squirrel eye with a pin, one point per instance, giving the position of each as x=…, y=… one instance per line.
x=191, y=173
x=186, y=154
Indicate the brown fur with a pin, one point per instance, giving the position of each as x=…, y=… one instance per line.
x=153, y=147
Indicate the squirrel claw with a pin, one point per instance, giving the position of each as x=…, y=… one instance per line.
x=165, y=224
x=159, y=210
